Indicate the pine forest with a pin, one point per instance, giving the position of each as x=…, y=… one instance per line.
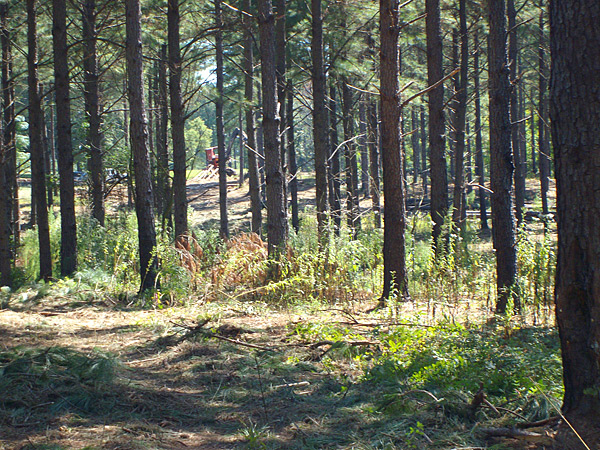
x=299, y=224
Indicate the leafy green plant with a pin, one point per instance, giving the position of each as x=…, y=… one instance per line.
x=255, y=435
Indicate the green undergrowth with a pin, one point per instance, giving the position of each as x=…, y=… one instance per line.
x=347, y=270
x=422, y=379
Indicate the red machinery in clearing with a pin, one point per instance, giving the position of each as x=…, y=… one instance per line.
x=211, y=158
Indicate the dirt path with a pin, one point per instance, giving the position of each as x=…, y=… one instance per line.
x=167, y=392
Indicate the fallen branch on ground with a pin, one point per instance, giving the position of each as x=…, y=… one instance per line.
x=199, y=329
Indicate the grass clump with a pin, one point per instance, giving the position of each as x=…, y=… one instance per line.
x=58, y=378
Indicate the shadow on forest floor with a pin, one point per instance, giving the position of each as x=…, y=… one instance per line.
x=83, y=379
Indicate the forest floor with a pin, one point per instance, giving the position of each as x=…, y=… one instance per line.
x=107, y=374
x=97, y=376
x=169, y=391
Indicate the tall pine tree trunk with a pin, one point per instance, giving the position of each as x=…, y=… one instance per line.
x=362, y=144
x=164, y=193
x=501, y=163
x=38, y=177
x=276, y=216
x=280, y=68
x=7, y=150
x=575, y=75
x=333, y=166
x=395, y=280
x=320, y=119
x=253, y=179
x=374, y=162
x=350, y=160
x=92, y=108
x=424, y=153
x=68, y=225
x=177, y=123
x=291, y=142
x=414, y=141
x=437, y=158
x=479, y=163
x=544, y=148
x=459, y=208
x=224, y=219
x=513, y=51
x=144, y=197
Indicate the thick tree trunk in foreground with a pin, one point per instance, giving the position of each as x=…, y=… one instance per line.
x=253, y=181
x=395, y=280
x=38, y=177
x=144, y=197
x=91, y=93
x=575, y=50
x=320, y=122
x=437, y=158
x=177, y=123
x=501, y=162
x=276, y=217
x=68, y=225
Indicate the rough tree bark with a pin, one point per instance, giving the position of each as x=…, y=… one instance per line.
x=224, y=219
x=501, y=162
x=253, y=181
x=575, y=75
x=91, y=93
x=459, y=208
x=513, y=51
x=544, y=147
x=320, y=122
x=68, y=224
x=177, y=123
x=437, y=158
x=138, y=128
x=280, y=68
x=394, y=263
x=38, y=178
x=6, y=154
x=276, y=217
